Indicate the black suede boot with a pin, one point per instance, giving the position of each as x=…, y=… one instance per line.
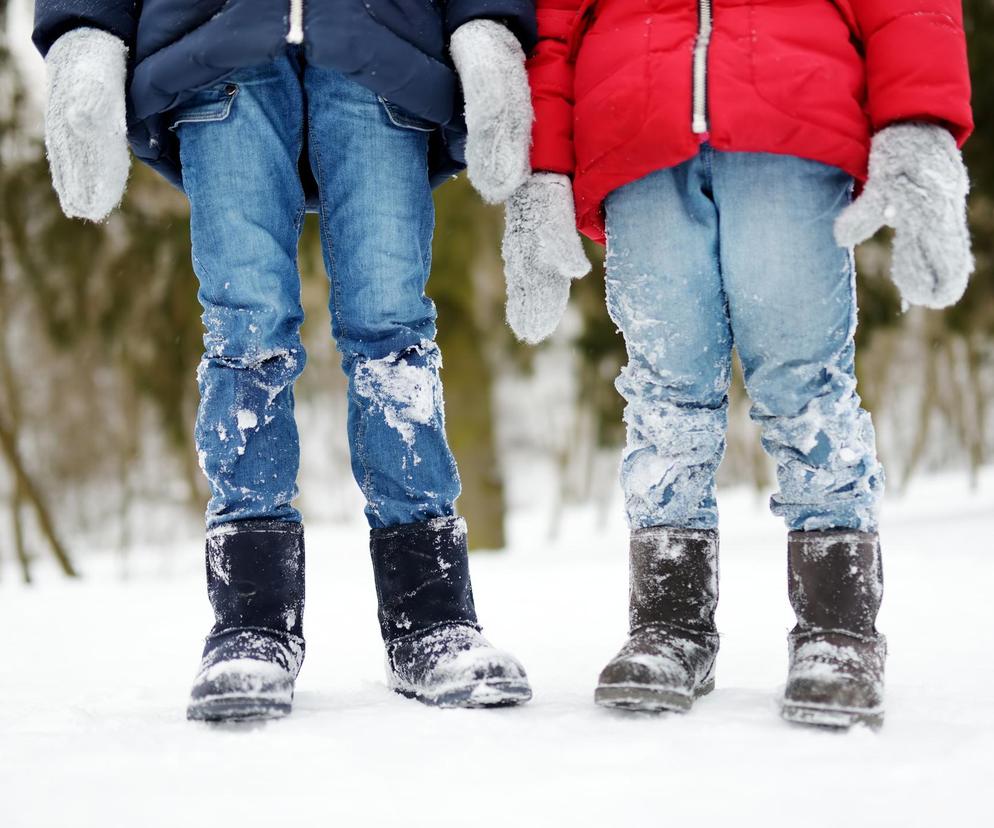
x=836, y=677
x=255, y=580
x=668, y=660
x=435, y=652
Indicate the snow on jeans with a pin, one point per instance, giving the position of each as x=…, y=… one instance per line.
x=737, y=249
x=240, y=143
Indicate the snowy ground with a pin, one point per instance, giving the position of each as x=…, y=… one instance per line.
x=95, y=676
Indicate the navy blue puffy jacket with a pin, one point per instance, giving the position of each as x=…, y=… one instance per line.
x=397, y=48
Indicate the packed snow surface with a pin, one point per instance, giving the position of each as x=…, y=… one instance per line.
x=95, y=675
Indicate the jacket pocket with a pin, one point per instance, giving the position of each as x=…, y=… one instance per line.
x=400, y=117
x=211, y=104
x=805, y=64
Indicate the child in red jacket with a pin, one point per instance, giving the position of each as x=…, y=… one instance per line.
x=715, y=146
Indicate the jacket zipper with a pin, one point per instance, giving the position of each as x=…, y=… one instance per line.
x=296, y=31
x=700, y=121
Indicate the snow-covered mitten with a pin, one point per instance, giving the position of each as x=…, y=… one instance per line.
x=491, y=67
x=917, y=185
x=542, y=255
x=85, y=128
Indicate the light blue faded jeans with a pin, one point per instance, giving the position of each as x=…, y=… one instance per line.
x=736, y=249
x=240, y=144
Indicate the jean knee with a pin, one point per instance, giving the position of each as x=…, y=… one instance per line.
x=683, y=435
x=405, y=385
x=400, y=454
x=371, y=324
x=827, y=468
x=649, y=380
x=675, y=442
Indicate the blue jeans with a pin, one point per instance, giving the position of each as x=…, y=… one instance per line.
x=240, y=143
x=736, y=249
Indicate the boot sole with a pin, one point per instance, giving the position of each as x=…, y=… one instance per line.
x=648, y=699
x=476, y=695
x=828, y=717
x=238, y=709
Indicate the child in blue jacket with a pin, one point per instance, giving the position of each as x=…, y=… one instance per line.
x=258, y=111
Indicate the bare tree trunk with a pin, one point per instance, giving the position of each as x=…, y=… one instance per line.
x=23, y=557
x=978, y=443
x=951, y=400
x=559, y=504
x=468, y=381
x=874, y=371
x=930, y=390
x=467, y=373
x=14, y=408
x=33, y=496
x=130, y=439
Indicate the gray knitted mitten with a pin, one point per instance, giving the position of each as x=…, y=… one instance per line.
x=542, y=255
x=85, y=130
x=491, y=67
x=917, y=185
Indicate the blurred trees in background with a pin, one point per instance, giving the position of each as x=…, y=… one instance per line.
x=100, y=336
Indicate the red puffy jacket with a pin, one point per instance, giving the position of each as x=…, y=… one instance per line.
x=625, y=87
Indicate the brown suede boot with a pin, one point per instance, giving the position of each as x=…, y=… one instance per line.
x=668, y=660
x=836, y=676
